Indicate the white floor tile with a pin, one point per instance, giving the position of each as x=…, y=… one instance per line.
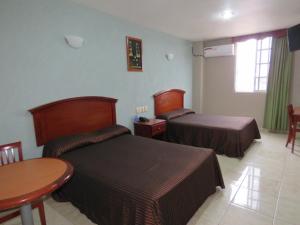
x=237, y=215
x=262, y=184
x=261, y=202
x=288, y=210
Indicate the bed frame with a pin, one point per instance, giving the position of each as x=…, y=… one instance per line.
x=167, y=101
x=72, y=116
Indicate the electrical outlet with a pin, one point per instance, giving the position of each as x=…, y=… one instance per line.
x=141, y=109
x=138, y=109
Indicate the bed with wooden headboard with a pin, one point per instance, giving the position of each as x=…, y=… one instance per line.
x=120, y=178
x=71, y=116
x=229, y=135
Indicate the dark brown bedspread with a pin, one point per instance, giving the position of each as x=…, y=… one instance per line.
x=226, y=135
x=130, y=180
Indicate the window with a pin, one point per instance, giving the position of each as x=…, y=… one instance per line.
x=252, y=65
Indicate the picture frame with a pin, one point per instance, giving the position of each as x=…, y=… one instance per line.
x=134, y=51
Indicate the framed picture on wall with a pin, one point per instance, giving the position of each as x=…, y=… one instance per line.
x=134, y=54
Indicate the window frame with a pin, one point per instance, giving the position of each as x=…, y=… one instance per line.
x=256, y=77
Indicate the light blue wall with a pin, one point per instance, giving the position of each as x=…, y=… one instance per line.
x=37, y=67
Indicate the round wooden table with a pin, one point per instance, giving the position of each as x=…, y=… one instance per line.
x=27, y=181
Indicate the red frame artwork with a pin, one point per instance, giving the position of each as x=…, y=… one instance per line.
x=134, y=54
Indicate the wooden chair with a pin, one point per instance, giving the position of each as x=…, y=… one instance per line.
x=11, y=153
x=293, y=127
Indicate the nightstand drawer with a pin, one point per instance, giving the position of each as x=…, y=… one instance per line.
x=151, y=128
x=158, y=128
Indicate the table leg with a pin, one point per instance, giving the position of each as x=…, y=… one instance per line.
x=26, y=215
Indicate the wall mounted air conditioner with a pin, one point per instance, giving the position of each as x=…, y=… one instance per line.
x=220, y=50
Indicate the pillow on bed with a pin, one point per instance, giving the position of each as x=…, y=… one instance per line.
x=175, y=114
x=61, y=145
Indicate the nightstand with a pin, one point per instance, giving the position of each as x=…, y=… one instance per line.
x=152, y=128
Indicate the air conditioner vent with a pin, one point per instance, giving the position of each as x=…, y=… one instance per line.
x=220, y=50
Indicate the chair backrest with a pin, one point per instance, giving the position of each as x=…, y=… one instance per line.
x=11, y=153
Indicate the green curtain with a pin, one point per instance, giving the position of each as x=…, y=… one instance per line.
x=278, y=91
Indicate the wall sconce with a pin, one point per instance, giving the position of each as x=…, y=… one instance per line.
x=169, y=56
x=74, y=41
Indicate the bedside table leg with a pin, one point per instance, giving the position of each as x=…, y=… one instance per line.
x=26, y=215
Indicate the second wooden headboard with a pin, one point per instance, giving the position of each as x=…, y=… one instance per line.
x=167, y=101
x=72, y=116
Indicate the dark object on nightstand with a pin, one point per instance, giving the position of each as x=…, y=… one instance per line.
x=143, y=119
x=152, y=128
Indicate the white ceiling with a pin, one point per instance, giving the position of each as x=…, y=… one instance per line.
x=200, y=19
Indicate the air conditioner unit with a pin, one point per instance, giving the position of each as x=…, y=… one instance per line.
x=220, y=50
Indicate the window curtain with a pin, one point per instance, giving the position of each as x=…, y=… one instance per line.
x=278, y=90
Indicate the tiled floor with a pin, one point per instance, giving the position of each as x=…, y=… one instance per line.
x=263, y=188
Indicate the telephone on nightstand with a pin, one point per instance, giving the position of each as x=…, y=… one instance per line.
x=143, y=119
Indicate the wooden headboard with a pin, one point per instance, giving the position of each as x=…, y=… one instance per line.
x=167, y=101
x=72, y=116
